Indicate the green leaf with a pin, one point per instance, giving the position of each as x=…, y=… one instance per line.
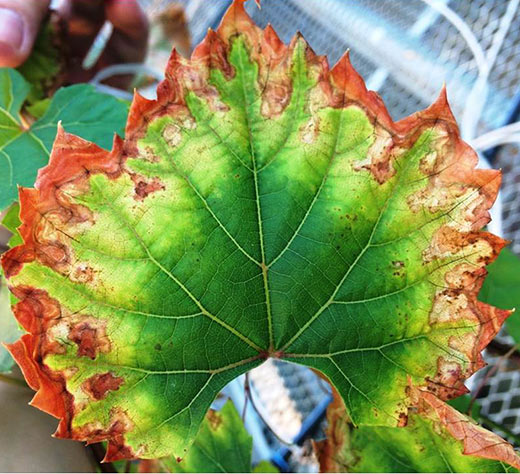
x=38, y=109
x=23, y=150
x=9, y=330
x=222, y=445
x=265, y=466
x=263, y=206
x=43, y=65
x=502, y=288
x=11, y=222
x=436, y=438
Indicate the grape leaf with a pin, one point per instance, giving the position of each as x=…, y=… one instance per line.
x=437, y=438
x=44, y=67
x=222, y=445
x=502, y=286
x=263, y=206
x=9, y=329
x=11, y=222
x=23, y=149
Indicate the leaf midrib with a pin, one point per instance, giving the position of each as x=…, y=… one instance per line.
x=259, y=211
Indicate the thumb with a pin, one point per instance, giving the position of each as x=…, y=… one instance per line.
x=19, y=24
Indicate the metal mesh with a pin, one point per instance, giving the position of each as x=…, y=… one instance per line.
x=405, y=50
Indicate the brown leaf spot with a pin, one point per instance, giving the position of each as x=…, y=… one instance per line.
x=379, y=156
x=309, y=132
x=143, y=188
x=91, y=338
x=275, y=99
x=82, y=273
x=448, y=242
x=172, y=134
x=214, y=419
x=98, y=385
x=148, y=154
x=119, y=424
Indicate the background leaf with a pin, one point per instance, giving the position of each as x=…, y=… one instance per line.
x=44, y=65
x=502, y=289
x=80, y=108
x=11, y=222
x=222, y=445
x=9, y=330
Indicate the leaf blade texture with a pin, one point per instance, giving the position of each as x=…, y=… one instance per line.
x=263, y=206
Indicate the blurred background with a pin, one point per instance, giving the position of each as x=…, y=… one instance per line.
x=405, y=50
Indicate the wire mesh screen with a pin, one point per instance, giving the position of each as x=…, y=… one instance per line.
x=405, y=51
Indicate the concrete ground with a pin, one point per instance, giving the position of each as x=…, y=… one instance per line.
x=26, y=444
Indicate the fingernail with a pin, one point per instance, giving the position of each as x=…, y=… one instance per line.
x=11, y=28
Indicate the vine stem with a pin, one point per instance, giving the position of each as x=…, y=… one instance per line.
x=247, y=393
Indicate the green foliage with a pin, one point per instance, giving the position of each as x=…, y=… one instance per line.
x=24, y=149
x=222, y=445
x=11, y=222
x=9, y=330
x=502, y=289
x=38, y=109
x=43, y=65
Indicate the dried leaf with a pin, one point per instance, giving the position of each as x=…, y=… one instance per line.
x=262, y=206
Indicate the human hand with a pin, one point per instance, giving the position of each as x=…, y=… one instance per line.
x=20, y=21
